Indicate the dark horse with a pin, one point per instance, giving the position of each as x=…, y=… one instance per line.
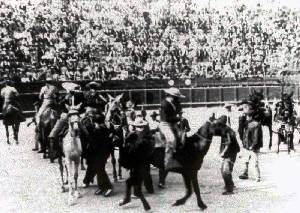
x=264, y=114
x=191, y=156
x=47, y=122
x=11, y=113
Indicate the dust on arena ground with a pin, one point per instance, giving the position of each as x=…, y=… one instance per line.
x=31, y=184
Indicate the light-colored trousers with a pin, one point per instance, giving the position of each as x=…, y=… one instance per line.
x=254, y=155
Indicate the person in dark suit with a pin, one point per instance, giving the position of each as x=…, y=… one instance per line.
x=228, y=151
x=170, y=108
x=97, y=154
x=252, y=142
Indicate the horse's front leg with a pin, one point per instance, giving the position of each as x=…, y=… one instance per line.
x=82, y=163
x=7, y=134
x=16, y=132
x=76, y=167
x=271, y=136
x=70, y=169
x=119, y=169
x=188, y=188
x=113, y=161
x=61, y=169
x=197, y=190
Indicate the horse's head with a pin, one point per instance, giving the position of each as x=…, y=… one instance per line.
x=113, y=104
x=74, y=119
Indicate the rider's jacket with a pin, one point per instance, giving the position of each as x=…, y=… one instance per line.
x=9, y=93
x=169, y=111
x=49, y=92
x=285, y=113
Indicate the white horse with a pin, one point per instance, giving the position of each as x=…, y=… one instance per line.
x=72, y=150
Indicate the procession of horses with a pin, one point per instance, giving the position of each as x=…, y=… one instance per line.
x=87, y=127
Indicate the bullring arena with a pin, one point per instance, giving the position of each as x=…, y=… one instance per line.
x=215, y=51
x=31, y=184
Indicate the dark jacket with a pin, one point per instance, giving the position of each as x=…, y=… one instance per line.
x=169, y=111
x=231, y=142
x=183, y=124
x=253, y=136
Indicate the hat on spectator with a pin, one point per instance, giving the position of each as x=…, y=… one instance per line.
x=173, y=91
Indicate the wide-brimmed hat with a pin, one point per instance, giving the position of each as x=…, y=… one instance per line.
x=139, y=122
x=93, y=84
x=70, y=86
x=174, y=92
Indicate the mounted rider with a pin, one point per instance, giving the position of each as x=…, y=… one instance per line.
x=94, y=101
x=11, y=103
x=49, y=95
x=285, y=111
x=169, y=114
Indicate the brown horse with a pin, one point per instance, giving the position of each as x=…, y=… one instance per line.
x=191, y=157
x=47, y=122
x=114, y=118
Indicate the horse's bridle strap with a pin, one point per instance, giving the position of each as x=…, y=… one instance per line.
x=202, y=137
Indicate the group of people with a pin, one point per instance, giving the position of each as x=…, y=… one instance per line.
x=156, y=39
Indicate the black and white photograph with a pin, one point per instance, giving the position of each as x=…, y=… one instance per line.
x=164, y=106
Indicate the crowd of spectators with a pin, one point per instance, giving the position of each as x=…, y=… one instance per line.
x=158, y=39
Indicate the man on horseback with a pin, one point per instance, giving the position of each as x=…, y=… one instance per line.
x=49, y=96
x=285, y=116
x=170, y=109
x=11, y=110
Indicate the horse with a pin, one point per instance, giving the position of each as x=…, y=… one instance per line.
x=72, y=150
x=265, y=116
x=190, y=155
x=115, y=119
x=47, y=121
x=12, y=116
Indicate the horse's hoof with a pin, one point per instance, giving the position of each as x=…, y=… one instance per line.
x=63, y=189
x=82, y=168
x=51, y=160
x=179, y=203
x=35, y=149
x=202, y=206
x=115, y=180
x=124, y=202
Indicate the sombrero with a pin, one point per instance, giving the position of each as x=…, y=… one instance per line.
x=70, y=86
x=174, y=92
x=93, y=84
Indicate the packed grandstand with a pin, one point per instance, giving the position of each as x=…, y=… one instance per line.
x=158, y=39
